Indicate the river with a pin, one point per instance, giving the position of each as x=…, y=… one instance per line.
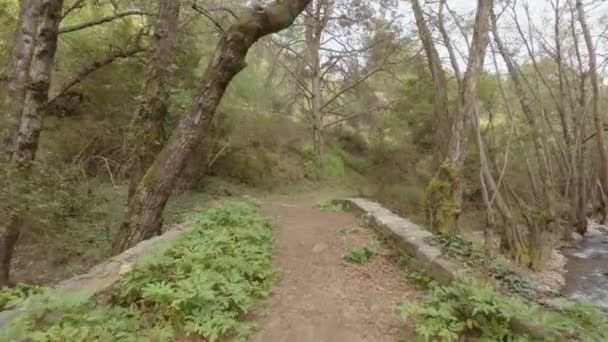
x=587, y=276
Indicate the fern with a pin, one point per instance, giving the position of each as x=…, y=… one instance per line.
x=13, y=297
x=199, y=286
x=472, y=310
x=361, y=255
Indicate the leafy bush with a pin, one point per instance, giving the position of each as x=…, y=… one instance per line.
x=464, y=309
x=199, y=286
x=469, y=309
x=361, y=255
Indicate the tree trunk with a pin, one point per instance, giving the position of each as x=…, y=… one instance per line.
x=512, y=238
x=7, y=246
x=579, y=123
x=595, y=109
x=315, y=22
x=440, y=83
x=143, y=218
x=30, y=102
x=445, y=189
x=18, y=70
x=149, y=122
x=317, y=100
x=36, y=95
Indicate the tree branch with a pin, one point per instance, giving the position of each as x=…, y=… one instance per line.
x=78, y=4
x=354, y=84
x=102, y=20
x=93, y=66
x=207, y=15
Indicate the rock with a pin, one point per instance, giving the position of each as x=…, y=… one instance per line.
x=576, y=236
x=124, y=269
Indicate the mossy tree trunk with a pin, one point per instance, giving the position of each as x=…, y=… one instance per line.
x=444, y=192
x=150, y=120
x=143, y=218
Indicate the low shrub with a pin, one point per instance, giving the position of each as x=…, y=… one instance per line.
x=197, y=287
x=469, y=310
x=361, y=255
x=12, y=297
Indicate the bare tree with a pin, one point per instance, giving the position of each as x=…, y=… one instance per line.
x=324, y=68
x=532, y=118
x=315, y=22
x=440, y=83
x=595, y=109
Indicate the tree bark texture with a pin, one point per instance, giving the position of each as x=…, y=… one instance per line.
x=150, y=120
x=315, y=22
x=143, y=218
x=36, y=95
x=18, y=71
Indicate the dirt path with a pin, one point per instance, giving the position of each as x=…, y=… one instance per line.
x=319, y=297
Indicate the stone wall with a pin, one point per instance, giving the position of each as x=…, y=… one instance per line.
x=424, y=253
x=414, y=240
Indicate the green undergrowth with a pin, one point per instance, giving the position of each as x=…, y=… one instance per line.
x=361, y=255
x=330, y=205
x=332, y=169
x=197, y=288
x=480, y=261
x=471, y=311
x=13, y=297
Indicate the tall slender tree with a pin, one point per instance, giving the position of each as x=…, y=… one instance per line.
x=596, y=110
x=37, y=93
x=18, y=70
x=444, y=193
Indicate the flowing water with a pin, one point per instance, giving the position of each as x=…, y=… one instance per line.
x=587, y=276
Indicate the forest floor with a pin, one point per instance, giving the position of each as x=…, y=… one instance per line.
x=319, y=296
